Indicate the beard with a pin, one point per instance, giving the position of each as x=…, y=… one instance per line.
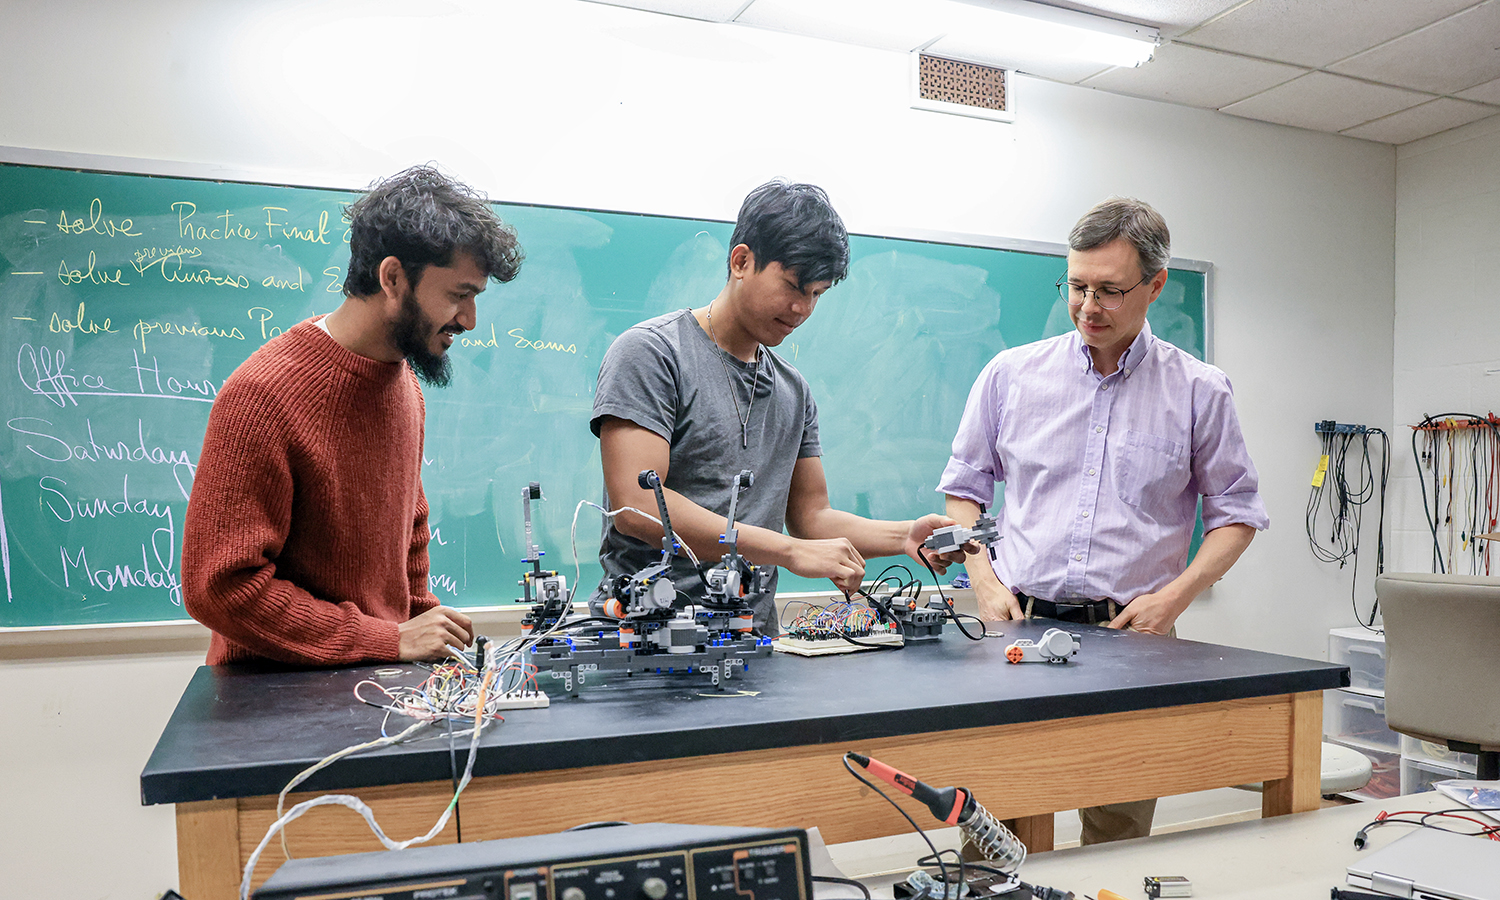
x=412, y=333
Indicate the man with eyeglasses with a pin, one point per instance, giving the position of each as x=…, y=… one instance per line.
x=1105, y=438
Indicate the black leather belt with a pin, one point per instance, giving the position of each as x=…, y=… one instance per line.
x=1094, y=612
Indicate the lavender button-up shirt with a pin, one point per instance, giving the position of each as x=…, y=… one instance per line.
x=1102, y=474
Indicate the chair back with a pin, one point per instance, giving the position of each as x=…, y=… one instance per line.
x=1442, y=670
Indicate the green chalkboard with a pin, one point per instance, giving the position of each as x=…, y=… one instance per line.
x=128, y=299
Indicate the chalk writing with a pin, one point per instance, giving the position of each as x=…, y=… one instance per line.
x=318, y=235
x=59, y=325
x=96, y=223
x=69, y=275
x=146, y=257
x=520, y=341
x=173, y=386
x=66, y=510
x=204, y=275
x=5, y=553
x=225, y=229
x=163, y=575
x=170, y=263
x=43, y=372
x=334, y=285
x=444, y=583
x=286, y=284
x=93, y=451
x=144, y=329
x=262, y=315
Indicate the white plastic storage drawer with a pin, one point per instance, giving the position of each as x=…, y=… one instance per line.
x=1385, y=774
x=1418, y=775
x=1411, y=748
x=1364, y=653
x=1350, y=717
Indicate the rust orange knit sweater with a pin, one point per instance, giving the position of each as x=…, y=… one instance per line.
x=306, y=531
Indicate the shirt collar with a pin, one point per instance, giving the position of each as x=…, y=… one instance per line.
x=1130, y=360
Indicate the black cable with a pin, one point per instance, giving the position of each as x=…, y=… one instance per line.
x=830, y=879
x=589, y=826
x=1433, y=460
x=1345, y=502
x=1421, y=822
x=947, y=602
x=918, y=828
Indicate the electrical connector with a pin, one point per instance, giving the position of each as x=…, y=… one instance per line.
x=1329, y=426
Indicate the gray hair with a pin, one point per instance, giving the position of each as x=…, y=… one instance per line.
x=1131, y=219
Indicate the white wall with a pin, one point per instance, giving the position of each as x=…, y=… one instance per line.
x=1447, y=350
x=574, y=103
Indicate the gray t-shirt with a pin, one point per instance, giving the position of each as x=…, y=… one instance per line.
x=667, y=376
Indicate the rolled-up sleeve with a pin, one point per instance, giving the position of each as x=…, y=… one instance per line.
x=1222, y=470
x=975, y=466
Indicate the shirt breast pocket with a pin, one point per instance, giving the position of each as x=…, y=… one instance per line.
x=1150, y=471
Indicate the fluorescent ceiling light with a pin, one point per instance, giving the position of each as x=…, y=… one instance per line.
x=707, y=10
x=997, y=32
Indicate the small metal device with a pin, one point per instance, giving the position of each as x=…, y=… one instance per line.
x=1168, y=886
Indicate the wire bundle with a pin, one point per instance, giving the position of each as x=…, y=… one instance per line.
x=456, y=688
x=1460, y=455
x=839, y=619
x=1440, y=819
x=1344, y=502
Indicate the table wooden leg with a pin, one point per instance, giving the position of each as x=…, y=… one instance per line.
x=1299, y=790
x=1034, y=831
x=208, y=850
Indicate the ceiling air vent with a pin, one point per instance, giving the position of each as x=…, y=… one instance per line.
x=961, y=88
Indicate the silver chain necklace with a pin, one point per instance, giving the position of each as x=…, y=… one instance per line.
x=733, y=393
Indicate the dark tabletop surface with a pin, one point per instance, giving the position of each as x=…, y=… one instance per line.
x=244, y=731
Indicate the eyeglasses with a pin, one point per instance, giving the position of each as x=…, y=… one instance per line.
x=1107, y=298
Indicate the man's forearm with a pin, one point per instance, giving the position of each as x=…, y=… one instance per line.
x=1220, y=549
x=871, y=537
x=700, y=528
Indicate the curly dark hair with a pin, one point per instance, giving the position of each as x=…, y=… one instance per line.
x=421, y=217
x=795, y=225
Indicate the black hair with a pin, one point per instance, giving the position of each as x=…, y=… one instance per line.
x=794, y=225
x=422, y=217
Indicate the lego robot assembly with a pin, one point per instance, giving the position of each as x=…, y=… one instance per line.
x=636, y=627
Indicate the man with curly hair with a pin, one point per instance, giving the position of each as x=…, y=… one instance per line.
x=306, y=532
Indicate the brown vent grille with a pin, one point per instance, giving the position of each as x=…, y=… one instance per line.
x=967, y=84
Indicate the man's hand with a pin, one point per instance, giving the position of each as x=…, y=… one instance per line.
x=428, y=636
x=1150, y=613
x=834, y=559
x=996, y=602
x=921, y=529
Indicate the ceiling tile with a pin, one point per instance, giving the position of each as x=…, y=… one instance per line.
x=1317, y=32
x=1325, y=102
x=970, y=49
x=1489, y=92
x=1195, y=77
x=1422, y=120
x=1173, y=17
x=1453, y=55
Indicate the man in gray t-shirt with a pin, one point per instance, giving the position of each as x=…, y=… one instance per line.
x=698, y=395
